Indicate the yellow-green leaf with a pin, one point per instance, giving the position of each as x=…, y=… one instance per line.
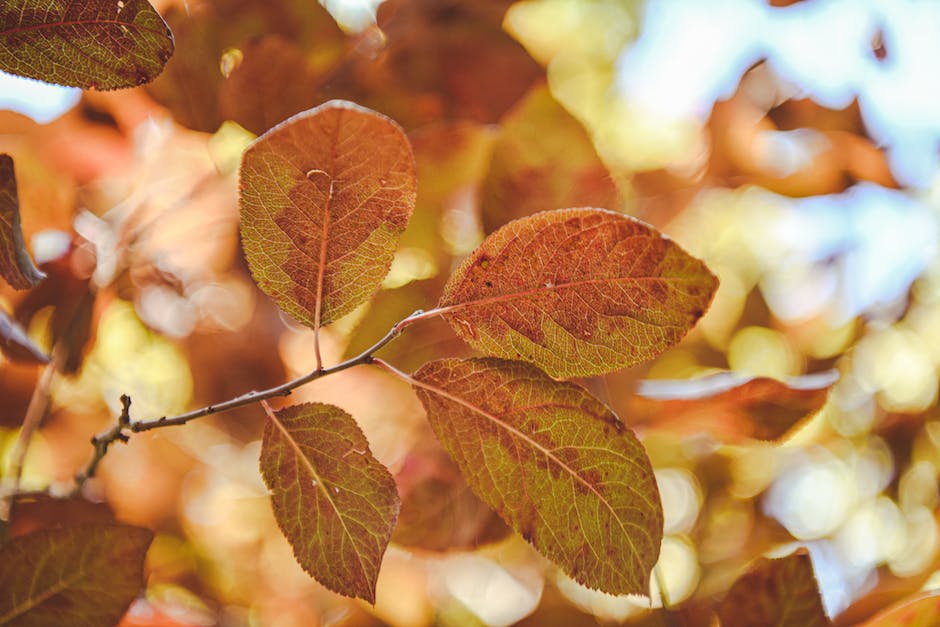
x=92, y=44
x=82, y=576
x=554, y=462
x=775, y=593
x=324, y=198
x=577, y=292
x=16, y=266
x=336, y=504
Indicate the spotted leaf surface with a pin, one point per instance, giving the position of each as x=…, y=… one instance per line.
x=779, y=592
x=324, y=199
x=84, y=576
x=92, y=44
x=16, y=266
x=554, y=462
x=335, y=502
x=577, y=292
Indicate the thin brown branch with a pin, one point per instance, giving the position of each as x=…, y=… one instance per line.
x=35, y=413
x=125, y=426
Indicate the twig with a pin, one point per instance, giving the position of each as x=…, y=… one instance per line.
x=35, y=414
x=125, y=426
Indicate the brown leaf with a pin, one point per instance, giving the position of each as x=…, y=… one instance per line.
x=92, y=44
x=779, y=592
x=212, y=35
x=439, y=512
x=728, y=405
x=578, y=292
x=543, y=159
x=324, y=198
x=554, y=462
x=437, y=59
x=16, y=266
x=16, y=344
x=334, y=501
x=40, y=511
x=82, y=576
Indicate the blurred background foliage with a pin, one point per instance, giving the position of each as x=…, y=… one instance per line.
x=791, y=145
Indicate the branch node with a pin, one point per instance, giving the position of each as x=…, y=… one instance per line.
x=125, y=418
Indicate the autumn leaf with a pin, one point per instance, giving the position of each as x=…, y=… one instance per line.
x=84, y=575
x=16, y=266
x=577, y=292
x=335, y=502
x=41, y=511
x=775, y=592
x=432, y=60
x=922, y=609
x=226, y=68
x=554, y=462
x=439, y=512
x=728, y=405
x=93, y=44
x=542, y=159
x=324, y=198
x=16, y=344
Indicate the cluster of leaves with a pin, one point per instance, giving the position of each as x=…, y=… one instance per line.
x=563, y=287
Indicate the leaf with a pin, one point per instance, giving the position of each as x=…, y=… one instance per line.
x=333, y=500
x=16, y=344
x=554, y=462
x=439, y=512
x=81, y=576
x=16, y=266
x=779, y=592
x=222, y=53
x=922, y=609
x=432, y=60
x=543, y=158
x=92, y=44
x=577, y=292
x=731, y=406
x=41, y=511
x=324, y=198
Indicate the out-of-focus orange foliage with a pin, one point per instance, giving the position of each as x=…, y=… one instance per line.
x=826, y=251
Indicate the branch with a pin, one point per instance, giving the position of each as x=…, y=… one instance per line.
x=124, y=427
x=35, y=414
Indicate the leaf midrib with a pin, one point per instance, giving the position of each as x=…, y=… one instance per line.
x=35, y=602
x=54, y=25
x=445, y=309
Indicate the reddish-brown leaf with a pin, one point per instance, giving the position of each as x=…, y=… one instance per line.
x=730, y=406
x=16, y=266
x=439, y=512
x=84, y=576
x=324, y=198
x=919, y=611
x=335, y=502
x=40, y=511
x=554, y=462
x=578, y=292
x=16, y=344
x=775, y=593
x=543, y=159
x=204, y=83
x=437, y=59
x=92, y=44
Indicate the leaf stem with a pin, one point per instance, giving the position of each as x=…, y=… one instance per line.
x=125, y=426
